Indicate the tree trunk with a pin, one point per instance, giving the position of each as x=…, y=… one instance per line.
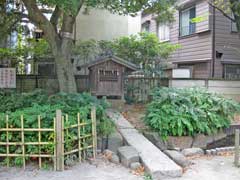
x=64, y=67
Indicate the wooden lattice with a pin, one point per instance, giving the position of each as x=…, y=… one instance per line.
x=81, y=143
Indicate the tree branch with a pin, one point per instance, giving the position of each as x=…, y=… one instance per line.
x=222, y=11
x=69, y=20
x=37, y=17
x=55, y=17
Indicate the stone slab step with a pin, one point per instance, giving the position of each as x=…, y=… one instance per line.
x=158, y=164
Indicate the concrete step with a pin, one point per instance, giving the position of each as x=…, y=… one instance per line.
x=158, y=164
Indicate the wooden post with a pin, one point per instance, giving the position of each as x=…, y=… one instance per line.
x=59, y=142
x=23, y=142
x=39, y=141
x=79, y=139
x=94, y=131
x=7, y=136
x=237, y=150
x=55, y=145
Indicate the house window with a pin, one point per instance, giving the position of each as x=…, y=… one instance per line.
x=232, y=71
x=187, y=27
x=164, y=32
x=146, y=26
x=46, y=69
x=108, y=75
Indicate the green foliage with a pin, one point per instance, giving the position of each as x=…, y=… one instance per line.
x=143, y=48
x=30, y=105
x=147, y=177
x=230, y=9
x=179, y=112
x=115, y=6
x=9, y=20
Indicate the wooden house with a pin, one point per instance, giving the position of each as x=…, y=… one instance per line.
x=106, y=76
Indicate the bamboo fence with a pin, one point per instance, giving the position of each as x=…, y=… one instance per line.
x=60, y=127
x=237, y=149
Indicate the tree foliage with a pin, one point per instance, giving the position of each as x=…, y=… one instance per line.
x=9, y=19
x=229, y=8
x=143, y=48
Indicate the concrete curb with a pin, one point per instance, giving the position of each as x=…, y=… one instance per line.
x=158, y=164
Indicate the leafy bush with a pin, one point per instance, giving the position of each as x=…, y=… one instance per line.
x=40, y=103
x=178, y=112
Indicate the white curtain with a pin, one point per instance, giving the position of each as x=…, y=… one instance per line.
x=185, y=23
x=164, y=32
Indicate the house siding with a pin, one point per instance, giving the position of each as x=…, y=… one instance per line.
x=198, y=51
x=195, y=47
x=227, y=42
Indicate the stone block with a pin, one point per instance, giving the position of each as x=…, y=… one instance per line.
x=115, y=141
x=152, y=136
x=135, y=165
x=201, y=141
x=115, y=159
x=128, y=155
x=192, y=152
x=219, y=135
x=179, y=142
x=178, y=158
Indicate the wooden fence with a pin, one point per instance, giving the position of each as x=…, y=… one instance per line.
x=27, y=83
x=83, y=139
x=138, y=89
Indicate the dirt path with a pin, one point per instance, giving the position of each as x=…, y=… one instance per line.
x=85, y=171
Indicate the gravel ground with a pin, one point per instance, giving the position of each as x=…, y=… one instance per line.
x=85, y=171
x=204, y=168
x=212, y=168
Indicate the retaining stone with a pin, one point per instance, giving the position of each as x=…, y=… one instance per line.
x=156, y=140
x=128, y=155
x=201, y=141
x=192, y=152
x=179, y=142
x=178, y=157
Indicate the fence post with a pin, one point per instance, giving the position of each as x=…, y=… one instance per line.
x=59, y=143
x=94, y=131
x=237, y=150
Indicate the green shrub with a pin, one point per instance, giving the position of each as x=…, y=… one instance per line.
x=179, y=112
x=38, y=102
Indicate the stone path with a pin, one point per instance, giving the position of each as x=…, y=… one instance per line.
x=156, y=162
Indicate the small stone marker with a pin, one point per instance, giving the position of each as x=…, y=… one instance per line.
x=128, y=155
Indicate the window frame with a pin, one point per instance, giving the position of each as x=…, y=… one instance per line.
x=166, y=24
x=180, y=21
x=146, y=27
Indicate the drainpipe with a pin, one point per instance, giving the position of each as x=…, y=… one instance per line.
x=213, y=42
